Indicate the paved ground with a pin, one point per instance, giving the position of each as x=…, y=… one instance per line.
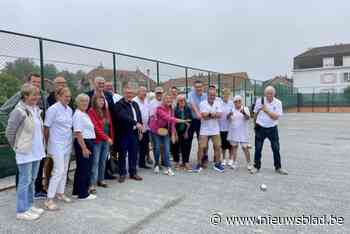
x=315, y=150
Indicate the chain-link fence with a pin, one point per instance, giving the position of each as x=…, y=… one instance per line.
x=22, y=54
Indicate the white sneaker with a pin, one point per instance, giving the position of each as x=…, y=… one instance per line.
x=232, y=164
x=249, y=166
x=224, y=162
x=29, y=216
x=156, y=170
x=169, y=172
x=90, y=197
x=36, y=210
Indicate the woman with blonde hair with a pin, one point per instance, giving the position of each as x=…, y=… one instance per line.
x=24, y=132
x=59, y=137
x=162, y=125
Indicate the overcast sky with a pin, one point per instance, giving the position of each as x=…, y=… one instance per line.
x=260, y=37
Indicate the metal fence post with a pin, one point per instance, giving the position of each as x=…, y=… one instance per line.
x=245, y=92
x=219, y=84
x=186, y=81
x=114, y=73
x=313, y=99
x=42, y=64
x=328, y=101
x=157, y=73
x=208, y=79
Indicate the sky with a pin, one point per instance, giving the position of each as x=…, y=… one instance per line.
x=259, y=37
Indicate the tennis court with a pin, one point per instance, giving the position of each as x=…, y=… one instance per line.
x=315, y=149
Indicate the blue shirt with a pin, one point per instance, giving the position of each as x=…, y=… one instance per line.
x=195, y=100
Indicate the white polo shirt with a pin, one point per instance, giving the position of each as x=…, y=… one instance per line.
x=59, y=120
x=263, y=119
x=145, y=110
x=226, y=108
x=153, y=106
x=210, y=127
x=83, y=124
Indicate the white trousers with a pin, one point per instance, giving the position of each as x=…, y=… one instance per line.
x=59, y=174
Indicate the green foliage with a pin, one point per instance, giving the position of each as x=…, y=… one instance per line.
x=20, y=68
x=9, y=85
x=347, y=92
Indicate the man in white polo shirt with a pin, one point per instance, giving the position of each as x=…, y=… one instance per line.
x=210, y=110
x=268, y=110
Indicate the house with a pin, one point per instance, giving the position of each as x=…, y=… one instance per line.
x=133, y=78
x=322, y=69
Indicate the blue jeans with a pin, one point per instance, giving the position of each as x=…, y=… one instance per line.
x=99, y=163
x=157, y=142
x=27, y=173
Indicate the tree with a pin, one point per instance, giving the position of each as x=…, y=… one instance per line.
x=21, y=67
x=9, y=85
x=347, y=92
x=50, y=71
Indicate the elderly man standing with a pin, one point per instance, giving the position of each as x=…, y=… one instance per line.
x=144, y=106
x=211, y=112
x=267, y=111
x=59, y=83
x=129, y=129
x=109, y=88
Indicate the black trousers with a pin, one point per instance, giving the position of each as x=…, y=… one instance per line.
x=144, y=149
x=183, y=146
x=261, y=134
x=128, y=148
x=83, y=171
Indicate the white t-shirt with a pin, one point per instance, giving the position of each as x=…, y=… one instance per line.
x=263, y=119
x=59, y=120
x=153, y=106
x=38, y=149
x=210, y=127
x=116, y=98
x=145, y=110
x=238, y=130
x=226, y=108
x=83, y=124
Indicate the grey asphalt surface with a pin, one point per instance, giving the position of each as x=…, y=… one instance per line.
x=315, y=149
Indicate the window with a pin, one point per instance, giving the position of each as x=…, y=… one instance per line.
x=346, y=77
x=328, y=62
x=346, y=61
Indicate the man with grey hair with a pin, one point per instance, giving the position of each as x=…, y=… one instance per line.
x=268, y=110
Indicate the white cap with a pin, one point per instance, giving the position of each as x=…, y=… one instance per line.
x=237, y=98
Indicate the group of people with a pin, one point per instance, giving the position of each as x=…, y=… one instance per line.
x=43, y=128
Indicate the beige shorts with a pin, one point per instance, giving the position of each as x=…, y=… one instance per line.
x=203, y=141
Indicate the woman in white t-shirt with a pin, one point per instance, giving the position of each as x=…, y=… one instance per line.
x=24, y=132
x=238, y=131
x=84, y=143
x=59, y=137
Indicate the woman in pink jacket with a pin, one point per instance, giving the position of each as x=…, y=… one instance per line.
x=162, y=125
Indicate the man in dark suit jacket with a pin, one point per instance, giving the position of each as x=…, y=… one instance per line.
x=129, y=119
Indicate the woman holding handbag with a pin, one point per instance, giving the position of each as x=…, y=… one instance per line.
x=183, y=143
x=162, y=125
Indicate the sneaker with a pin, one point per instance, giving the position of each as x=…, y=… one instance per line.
x=169, y=172
x=50, y=205
x=249, y=166
x=36, y=210
x=197, y=168
x=218, y=167
x=64, y=198
x=40, y=195
x=29, y=216
x=254, y=170
x=156, y=169
x=282, y=171
x=224, y=162
x=233, y=164
x=90, y=197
